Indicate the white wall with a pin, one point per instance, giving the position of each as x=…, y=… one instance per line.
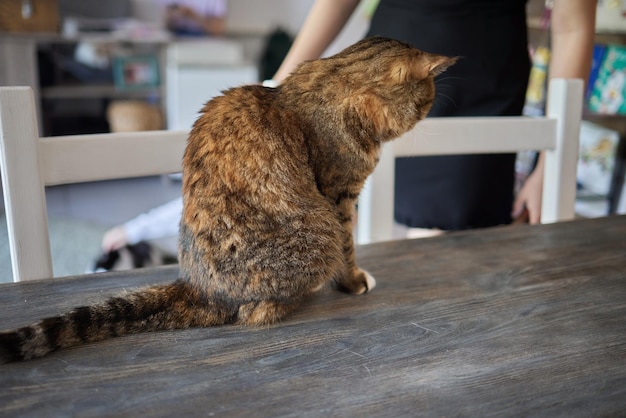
x=262, y=16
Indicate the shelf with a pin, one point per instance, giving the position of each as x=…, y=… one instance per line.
x=593, y=116
x=98, y=90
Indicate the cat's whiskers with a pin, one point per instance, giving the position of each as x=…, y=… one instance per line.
x=439, y=80
x=422, y=132
x=441, y=88
x=446, y=97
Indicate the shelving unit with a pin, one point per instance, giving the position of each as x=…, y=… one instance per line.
x=95, y=90
x=616, y=122
x=187, y=79
x=21, y=55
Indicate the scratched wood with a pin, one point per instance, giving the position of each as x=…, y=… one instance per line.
x=512, y=321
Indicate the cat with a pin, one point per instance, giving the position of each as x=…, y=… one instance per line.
x=270, y=181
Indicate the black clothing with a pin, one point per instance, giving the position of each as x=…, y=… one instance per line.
x=489, y=79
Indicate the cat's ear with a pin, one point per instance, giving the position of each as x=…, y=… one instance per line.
x=422, y=66
x=437, y=64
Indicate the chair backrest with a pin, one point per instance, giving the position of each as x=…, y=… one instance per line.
x=29, y=163
x=557, y=134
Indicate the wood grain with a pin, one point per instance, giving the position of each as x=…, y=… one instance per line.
x=512, y=321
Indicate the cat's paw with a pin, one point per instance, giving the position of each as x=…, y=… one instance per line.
x=363, y=282
x=370, y=281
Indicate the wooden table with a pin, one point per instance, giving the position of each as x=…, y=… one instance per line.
x=512, y=321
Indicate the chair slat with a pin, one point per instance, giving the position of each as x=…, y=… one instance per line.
x=559, y=184
x=24, y=194
x=82, y=158
x=476, y=135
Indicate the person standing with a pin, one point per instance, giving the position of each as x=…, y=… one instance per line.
x=490, y=79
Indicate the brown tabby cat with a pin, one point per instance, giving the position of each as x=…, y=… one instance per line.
x=271, y=177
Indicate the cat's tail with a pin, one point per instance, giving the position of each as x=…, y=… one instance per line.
x=154, y=308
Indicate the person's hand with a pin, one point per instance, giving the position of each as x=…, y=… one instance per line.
x=527, y=205
x=114, y=239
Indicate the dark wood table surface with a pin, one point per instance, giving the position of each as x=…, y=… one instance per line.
x=511, y=321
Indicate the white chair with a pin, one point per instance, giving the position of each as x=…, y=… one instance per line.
x=30, y=163
x=557, y=134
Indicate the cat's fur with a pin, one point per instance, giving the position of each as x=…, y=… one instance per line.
x=271, y=177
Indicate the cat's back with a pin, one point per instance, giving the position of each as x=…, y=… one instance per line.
x=242, y=114
x=245, y=153
x=246, y=125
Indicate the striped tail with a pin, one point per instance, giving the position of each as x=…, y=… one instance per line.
x=154, y=308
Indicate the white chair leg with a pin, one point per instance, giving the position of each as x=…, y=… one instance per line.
x=559, y=187
x=376, y=201
x=24, y=194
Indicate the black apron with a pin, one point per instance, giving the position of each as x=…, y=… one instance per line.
x=490, y=79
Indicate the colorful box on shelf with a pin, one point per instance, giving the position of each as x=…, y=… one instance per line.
x=607, y=83
x=596, y=157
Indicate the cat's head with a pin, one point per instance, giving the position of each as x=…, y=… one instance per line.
x=379, y=85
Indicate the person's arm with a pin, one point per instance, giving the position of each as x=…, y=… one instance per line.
x=159, y=222
x=322, y=25
x=572, y=39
